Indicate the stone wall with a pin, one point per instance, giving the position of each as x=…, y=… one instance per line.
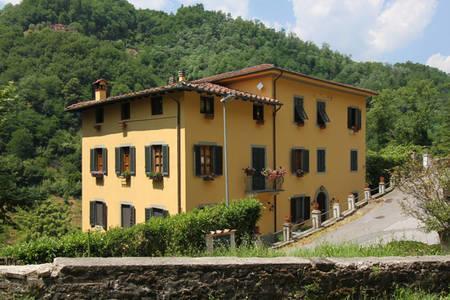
x=222, y=277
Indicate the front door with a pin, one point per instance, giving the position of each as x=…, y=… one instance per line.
x=323, y=207
x=258, y=163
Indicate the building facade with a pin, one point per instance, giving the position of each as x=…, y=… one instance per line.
x=160, y=151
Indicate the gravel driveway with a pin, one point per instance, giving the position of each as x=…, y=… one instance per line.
x=382, y=222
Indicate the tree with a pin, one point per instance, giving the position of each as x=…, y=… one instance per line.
x=21, y=143
x=429, y=191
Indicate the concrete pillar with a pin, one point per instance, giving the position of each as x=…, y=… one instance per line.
x=381, y=188
x=315, y=218
x=233, y=239
x=336, y=210
x=366, y=194
x=426, y=160
x=287, y=231
x=209, y=243
x=351, y=202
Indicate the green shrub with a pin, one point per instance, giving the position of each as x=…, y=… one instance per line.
x=181, y=234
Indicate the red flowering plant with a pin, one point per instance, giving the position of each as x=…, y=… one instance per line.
x=275, y=174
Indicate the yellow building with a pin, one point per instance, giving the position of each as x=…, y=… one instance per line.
x=161, y=151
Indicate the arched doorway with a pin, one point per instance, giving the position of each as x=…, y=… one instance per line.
x=322, y=201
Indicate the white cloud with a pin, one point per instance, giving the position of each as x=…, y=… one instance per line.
x=234, y=7
x=151, y=4
x=363, y=28
x=439, y=61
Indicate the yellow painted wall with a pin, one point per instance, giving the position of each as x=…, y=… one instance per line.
x=142, y=129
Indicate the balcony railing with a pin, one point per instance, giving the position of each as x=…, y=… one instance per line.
x=261, y=184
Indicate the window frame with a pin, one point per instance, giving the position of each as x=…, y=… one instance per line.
x=354, y=118
x=304, y=202
x=93, y=214
x=215, y=160
x=120, y=163
x=299, y=160
x=149, y=213
x=99, y=111
x=300, y=114
x=322, y=116
x=258, y=113
x=353, y=163
x=156, y=104
x=150, y=156
x=319, y=169
x=207, y=106
x=95, y=154
x=125, y=111
x=132, y=220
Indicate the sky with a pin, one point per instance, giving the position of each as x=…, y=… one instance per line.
x=369, y=30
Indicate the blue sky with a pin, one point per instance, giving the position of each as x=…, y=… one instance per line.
x=368, y=30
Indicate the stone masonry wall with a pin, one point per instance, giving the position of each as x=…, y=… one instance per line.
x=222, y=278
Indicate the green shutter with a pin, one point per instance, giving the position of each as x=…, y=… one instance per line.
x=218, y=160
x=297, y=110
x=165, y=157
x=105, y=160
x=358, y=119
x=92, y=214
x=105, y=216
x=307, y=208
x=148, y=160
x=93, y=165
x=293, y=211
x=294, y=161
x=305, y=162
x=197, y=161
x=118, y=159
x=349, y=117
x=132, y=161
x=148, y=214
x=133, y=216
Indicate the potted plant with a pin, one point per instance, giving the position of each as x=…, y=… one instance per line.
x=125, y=176
x=249, y=171
x=209, y=177
x=276, y=176
x=300, y=173
x=156, y=176
x=98, y=174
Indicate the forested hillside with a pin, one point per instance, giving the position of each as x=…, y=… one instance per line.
x=44, y=67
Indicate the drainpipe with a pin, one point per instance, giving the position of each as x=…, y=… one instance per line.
x=225, y=146
x=177, y=101
x=276, y=108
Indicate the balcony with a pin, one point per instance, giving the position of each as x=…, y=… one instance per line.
x=260, y=184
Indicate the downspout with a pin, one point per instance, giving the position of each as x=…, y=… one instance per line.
x=177, y=101
x=276, y=108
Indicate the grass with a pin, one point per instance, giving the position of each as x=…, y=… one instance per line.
x=409, y=294
x=396, y=248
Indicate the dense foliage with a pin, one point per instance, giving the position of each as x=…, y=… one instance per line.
x=43, y=68
x=182, y=234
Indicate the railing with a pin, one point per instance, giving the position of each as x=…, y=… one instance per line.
x=264, y=186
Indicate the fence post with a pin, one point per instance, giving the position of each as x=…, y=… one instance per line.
x=381, y=187
x=287, y=230
x=351, y=202
x=426, y=160
x=316, y=220
x=367, y=194
x=336, y=210
x=209, y=243
x=233, y=239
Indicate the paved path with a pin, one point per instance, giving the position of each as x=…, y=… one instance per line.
x=381, y=222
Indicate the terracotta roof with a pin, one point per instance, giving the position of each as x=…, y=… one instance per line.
x=203, y=87
x=269, y=67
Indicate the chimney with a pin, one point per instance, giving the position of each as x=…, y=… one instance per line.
x=181, y=76
x=100, y=89
x=171, y=80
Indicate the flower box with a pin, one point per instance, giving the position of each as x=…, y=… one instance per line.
x=209, y=177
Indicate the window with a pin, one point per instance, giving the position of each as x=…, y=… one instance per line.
x=98, y=213
x=353, y=160
x=208, y=160
x=322, y=117
x=99, y=115
x=207, y=106
x=354, y=118
x=128, y=215
x=299, y=111
x=258, y=113
x=320, y=160
x=99, y=161
x=157, y=160
x=300, y=209
x=154, y=212
x=356, y=196
x=157, y=105
x=299, y=161
x=126, y=160
x=125, y=111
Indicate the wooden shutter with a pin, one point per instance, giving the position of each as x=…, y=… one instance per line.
x=349, y=117
x=165, y=160
x=217, y=160
x=132, y=161
x=297, y=110
x=305, y=162
x=105, y=216
x=148, y=214
x=105, y=160
x=197, y=161
x=307, y=208
x=294, y=163
x=358, y=119
x=148, y=160
x=118, y=159
x=92, y=213
x=92, y=161
x=293, y=211
x=132, y=216
x=353, y=160
x=320, y=160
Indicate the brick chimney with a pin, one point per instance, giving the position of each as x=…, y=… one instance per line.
x=100, y=89
x=181, y=76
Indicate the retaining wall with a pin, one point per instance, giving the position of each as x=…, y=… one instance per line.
x=222, y=277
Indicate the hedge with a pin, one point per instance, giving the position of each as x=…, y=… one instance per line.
x=181, y=234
